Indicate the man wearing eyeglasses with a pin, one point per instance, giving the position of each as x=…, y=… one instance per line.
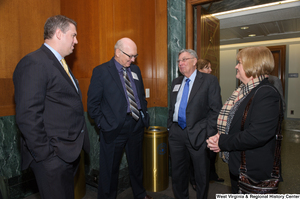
x=195, y=102
x=117, y=103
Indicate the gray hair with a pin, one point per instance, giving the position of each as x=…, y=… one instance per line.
x=58, y=21
x=119, y=44
x=192, y=52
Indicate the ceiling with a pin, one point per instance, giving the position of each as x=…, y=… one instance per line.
x=268, y=23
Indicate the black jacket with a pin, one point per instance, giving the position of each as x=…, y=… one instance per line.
x=107, y=103
x=258, y=137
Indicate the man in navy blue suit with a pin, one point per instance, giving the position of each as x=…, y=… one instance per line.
x=49, y=111
x=117, y=103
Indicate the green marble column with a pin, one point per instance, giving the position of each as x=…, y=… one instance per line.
x=176, y=36
x=10, y=159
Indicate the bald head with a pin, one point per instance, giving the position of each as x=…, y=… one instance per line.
x=125, y=51
x=125, y=43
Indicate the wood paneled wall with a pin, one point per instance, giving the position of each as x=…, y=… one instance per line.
x=21, y=32
x=100, y=24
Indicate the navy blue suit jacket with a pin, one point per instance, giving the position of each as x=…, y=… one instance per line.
x=202, y=109
x=49, y=110
x=107, y=103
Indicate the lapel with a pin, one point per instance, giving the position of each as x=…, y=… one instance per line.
x=136, y=82
x=239, y=113
x=76, y=82
x=115, y=75
x=196, y=86
x=174, y=94
x=53, y=61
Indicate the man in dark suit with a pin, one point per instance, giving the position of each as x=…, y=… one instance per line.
x=116, y=102
x=276, y=82
x=49, y=111
x=195, y=103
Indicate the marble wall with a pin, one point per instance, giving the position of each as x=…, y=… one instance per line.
x=176, y=36
x=16, y=181
x=9, y=147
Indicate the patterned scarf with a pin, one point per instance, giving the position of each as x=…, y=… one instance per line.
x=231, y=105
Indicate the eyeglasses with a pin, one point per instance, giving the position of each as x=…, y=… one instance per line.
x=130, y=56
x=184, y=59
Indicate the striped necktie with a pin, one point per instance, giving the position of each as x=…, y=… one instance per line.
x=133, y=106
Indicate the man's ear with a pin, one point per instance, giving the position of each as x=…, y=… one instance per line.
x=195, y=61
x=118, y=52
x=58, y=34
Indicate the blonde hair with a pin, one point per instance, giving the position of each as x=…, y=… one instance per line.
x=202, y=63
x=256, y=61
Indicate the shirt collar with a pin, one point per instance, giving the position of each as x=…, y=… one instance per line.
x=192, y=77
x=118, y=66
x=57, y=55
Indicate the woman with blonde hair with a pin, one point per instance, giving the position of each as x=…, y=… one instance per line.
x=258, y=136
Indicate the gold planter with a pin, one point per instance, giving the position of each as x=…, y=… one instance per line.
x=156, y=159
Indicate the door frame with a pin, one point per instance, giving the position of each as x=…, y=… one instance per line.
x=281, y=67
x=189, y=21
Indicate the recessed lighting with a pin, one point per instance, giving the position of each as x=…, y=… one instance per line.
x=254, y=7
x=252, y=35
x=244, y=28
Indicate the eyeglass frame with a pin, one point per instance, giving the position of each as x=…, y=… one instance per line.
x=184, y=59
x=130, y=56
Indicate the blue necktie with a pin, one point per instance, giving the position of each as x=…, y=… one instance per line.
x=183, y=104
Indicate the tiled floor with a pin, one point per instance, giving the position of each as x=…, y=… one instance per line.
x=290, y=171
x=215, y=187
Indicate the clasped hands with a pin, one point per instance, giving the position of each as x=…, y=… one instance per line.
x=213, y=143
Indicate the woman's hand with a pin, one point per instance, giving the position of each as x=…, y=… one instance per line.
x=213, y=143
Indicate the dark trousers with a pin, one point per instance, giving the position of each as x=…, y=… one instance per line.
x=234, y=183
x=181, y=152
x=212, y=169
x=55, y=177
x=131, y=139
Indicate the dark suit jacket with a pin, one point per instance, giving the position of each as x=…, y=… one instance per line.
x=49, y=110
x=107, y=103
x=258, y=137
x=202, y=110
x=275, y=81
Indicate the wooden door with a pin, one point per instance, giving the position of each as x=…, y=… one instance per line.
x=207, y=39
x=279, y=59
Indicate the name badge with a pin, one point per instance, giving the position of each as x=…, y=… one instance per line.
x=176, y=88
x=134, y=75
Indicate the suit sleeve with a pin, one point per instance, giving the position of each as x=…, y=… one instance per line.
x=215, y=104
x=30, y=80
x=263, y=113
x=95, y=94
x=278, y=86
x=146, y=118
x=171, y=108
